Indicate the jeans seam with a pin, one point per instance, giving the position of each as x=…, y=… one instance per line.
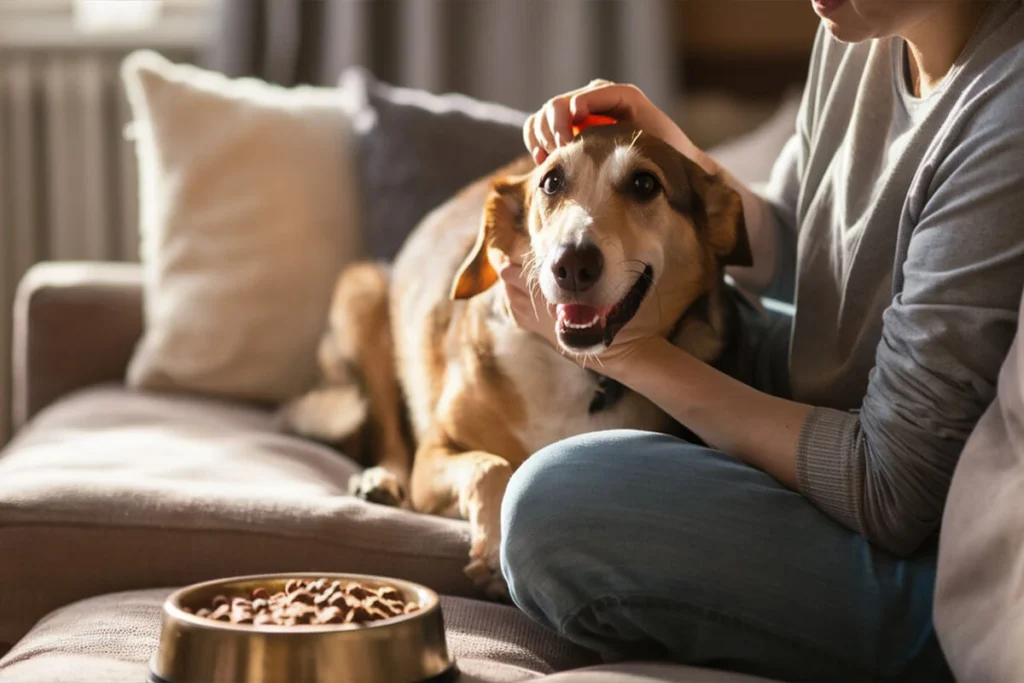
x=663, y=603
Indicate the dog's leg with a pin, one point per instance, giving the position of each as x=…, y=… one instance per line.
x=358, y=407
x=470, y=484
x=361, y=341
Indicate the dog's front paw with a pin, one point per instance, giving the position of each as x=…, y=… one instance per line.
x=378, y=485
x=484, y=570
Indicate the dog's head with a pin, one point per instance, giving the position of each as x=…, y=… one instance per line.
x=613, y=218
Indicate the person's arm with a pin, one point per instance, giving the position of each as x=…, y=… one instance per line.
x=728, y=415
x=884, y=470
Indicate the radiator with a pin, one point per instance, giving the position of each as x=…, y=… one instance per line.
x=67, y=174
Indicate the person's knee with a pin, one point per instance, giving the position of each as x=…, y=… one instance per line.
x=548, y=484
x=538, y=496
x=552, y=512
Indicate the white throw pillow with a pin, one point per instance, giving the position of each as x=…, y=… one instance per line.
x=248, y=215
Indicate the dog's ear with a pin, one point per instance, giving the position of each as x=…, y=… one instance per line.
x=727, y=228
x=502, y=218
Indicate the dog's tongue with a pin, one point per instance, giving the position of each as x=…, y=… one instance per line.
x=577, y=314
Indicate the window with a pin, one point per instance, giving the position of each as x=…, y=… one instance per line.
x=38, y=23
x=116, y=15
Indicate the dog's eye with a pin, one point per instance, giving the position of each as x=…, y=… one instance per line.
x=552, y=182
x=644, y=185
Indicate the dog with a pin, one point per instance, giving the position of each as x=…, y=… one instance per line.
x=427, y=378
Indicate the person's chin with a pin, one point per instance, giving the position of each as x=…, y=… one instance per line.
x=842, y=20
x=848, y=31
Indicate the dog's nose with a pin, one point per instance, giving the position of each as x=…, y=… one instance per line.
x=577, y=268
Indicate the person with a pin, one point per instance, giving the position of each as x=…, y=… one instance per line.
x=800, y=543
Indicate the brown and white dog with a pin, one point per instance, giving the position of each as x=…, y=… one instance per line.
x=424, y=358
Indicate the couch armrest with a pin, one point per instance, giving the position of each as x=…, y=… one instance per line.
x=75, y=324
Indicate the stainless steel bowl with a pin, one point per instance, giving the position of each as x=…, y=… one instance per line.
x=404, y=649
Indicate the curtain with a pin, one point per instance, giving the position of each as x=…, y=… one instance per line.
x=516, y=52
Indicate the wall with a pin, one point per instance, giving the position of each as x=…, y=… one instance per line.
x=739, y=58
x=754, y=48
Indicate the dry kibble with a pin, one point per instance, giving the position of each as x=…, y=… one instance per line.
x=241, y=616
x=301, y=597
x=356, y=590
x=389, y=593
x=305, y=617
x=359, y=615
x=331, y=615
x=297, y=609
x=393, y=607
x=304, y=602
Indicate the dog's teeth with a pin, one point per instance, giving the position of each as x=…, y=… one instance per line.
x=582, y=326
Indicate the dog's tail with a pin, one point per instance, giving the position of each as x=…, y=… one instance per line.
x=358, y=406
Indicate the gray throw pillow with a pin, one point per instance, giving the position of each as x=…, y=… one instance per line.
x=416, y=149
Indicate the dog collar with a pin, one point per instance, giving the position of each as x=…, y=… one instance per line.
x=609, y=392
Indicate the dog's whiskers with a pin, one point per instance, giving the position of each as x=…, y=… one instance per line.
x=531, y=270
x=636, y=136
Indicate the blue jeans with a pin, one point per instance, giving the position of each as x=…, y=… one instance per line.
x=640, y=545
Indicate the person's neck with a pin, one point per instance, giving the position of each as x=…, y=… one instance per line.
x=935, y=42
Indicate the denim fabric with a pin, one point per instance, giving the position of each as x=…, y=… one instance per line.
x=640, y=545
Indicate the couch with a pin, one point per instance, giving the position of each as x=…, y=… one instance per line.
x=126, y=479
x=110, y=498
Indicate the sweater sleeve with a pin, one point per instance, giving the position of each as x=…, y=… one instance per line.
x=885, y=470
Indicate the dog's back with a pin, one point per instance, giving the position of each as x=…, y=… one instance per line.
x=421, y=311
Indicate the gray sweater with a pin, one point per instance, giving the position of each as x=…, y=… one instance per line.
x=901, y=224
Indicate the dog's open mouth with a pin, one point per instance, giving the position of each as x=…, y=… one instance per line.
x=586, y=327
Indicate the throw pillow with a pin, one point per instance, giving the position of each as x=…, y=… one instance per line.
x=248, y=214
x=416, y=149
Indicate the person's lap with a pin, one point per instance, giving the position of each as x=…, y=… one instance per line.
x=642, y=545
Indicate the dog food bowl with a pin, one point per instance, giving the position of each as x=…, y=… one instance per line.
x=409, y=648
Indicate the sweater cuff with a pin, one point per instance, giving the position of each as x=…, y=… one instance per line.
x=827, y=465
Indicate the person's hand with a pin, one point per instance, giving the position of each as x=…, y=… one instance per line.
x=532, y=312
x=551, y=126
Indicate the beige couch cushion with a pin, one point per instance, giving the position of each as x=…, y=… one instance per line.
x=111, y=490
x=111, y=639
x=979, y=601
x=248, y=211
